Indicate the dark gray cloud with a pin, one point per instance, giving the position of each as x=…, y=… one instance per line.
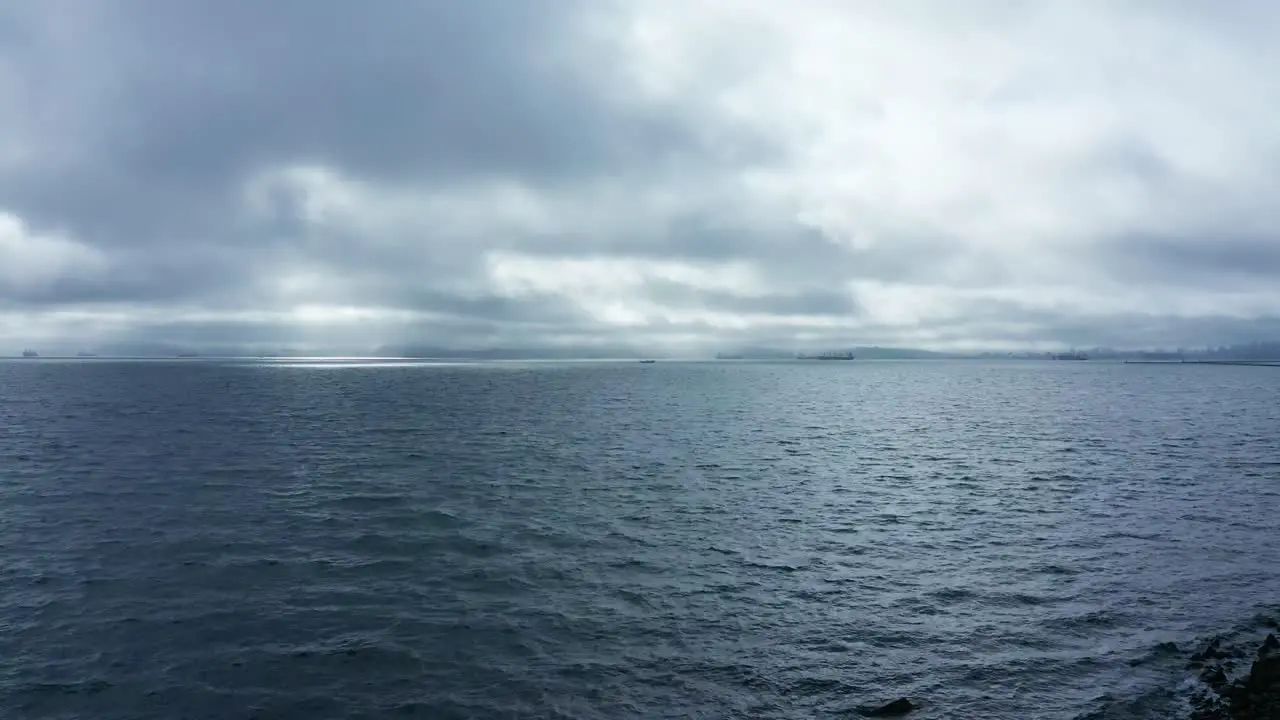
x=443, y=90
x=192, y=94
x=175, y=104
x=1224, y=260
x=497, y=172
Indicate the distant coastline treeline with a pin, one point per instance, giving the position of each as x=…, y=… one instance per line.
x=1246, y=351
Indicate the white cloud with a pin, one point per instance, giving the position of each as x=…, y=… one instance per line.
x=31, y=262
x=1025, y=128
x=595, y=278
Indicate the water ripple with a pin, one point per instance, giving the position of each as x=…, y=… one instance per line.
x=596, y=541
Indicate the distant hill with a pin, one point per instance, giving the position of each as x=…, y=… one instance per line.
x=1244, y=351
x=1248, y=351
x=881, y=353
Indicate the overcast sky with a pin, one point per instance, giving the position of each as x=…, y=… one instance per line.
x=691, y=174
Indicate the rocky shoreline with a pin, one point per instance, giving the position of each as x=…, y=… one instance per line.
x=1229, y=695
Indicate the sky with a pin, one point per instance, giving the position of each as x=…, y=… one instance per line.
x=682, y=175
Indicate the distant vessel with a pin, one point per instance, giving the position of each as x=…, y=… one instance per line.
x=1071, y=356
x=728, y=356
x=827, y=356
x=646, y=362
x=187, y=355
x=86, y=354
x=30, y=353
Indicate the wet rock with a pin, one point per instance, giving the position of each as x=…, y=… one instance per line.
x=1215, y=678
x=1265, y=672
x=1255, y=696
x=1270, y=645
x=897, y=708
x=1212, y=651
x=1167, y=647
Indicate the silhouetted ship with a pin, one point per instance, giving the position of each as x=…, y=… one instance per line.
x=728, y=356
x=827, y=356
x=30, y=353
x=1071, y=356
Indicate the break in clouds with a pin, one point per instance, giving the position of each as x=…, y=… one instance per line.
x=684, y=175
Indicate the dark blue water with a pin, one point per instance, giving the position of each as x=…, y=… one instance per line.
x=711, y=540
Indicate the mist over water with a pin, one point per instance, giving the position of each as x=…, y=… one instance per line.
x=617, y=540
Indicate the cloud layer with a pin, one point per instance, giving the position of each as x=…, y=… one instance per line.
x=688, y=175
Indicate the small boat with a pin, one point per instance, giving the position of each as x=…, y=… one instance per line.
x=647, y=362
x=30, y=354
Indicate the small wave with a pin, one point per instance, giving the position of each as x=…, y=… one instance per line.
x=1060, y=477
x=1022, y=599
x=367, y=501
x=1158, y=703
x=1166, y=651
x=780, y=566
x=952, y=595
x=1085, y=623
x=634, y=564
x=635, y=598
x=83, y=687
x=821, y=687
x=1123, y=535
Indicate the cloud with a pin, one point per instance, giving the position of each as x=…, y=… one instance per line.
x=690, y=175
x=35, y=265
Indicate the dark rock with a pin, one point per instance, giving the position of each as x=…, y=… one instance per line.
x=1214, y=678
x=1256, y=696
x=1270, y=645
x=1265, y=672
x=897, y=708
x=1212, y=651
x=1167, y=647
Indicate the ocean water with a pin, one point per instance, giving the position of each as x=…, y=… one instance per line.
x=203, y=539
